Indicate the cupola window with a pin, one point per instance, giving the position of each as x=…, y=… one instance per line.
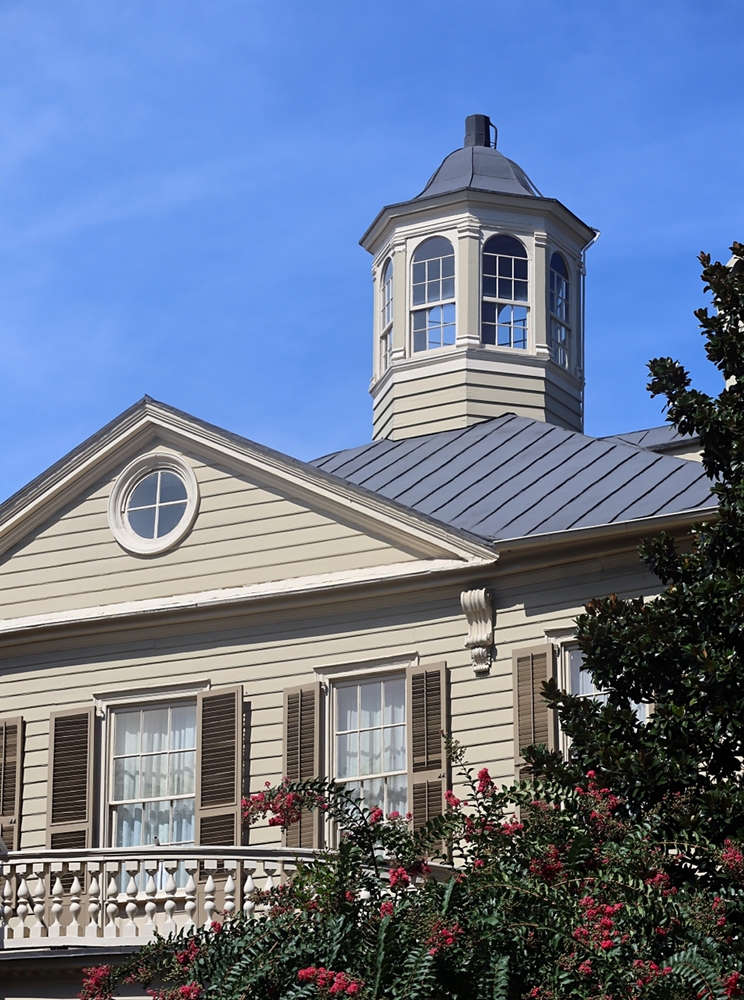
x=504, y=308
x=560, y=330
x=386, y=337
x=433, y=295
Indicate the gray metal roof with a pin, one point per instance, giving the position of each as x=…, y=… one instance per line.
x=664, y=438
x=481, y=168
x=511, y=476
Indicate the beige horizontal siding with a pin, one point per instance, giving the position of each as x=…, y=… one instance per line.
x=244, y=534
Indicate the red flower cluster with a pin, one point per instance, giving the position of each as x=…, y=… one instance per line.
x=731, y=985
x=376, y=816
x=646, y=972
x=97, y=983
x=399, y=877
x=191, y=953
x=661, y=881
x=732, y=858
x=599, y=931
x=386, y=908
x=451, y=799
x=485, y=784
x=283, y=806
x=442, y=937
x=189, y=991
x=549, y=866
x=331, y=983
x=510, y=827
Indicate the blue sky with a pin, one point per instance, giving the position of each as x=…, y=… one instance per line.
x=184, y=183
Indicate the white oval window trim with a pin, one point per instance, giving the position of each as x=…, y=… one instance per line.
x=131, y=477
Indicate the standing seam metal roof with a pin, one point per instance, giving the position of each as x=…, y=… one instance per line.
x=511, y=476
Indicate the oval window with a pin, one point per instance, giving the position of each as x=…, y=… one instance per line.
x=153, y=504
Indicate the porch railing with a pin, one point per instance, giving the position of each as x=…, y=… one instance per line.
x=123, y=896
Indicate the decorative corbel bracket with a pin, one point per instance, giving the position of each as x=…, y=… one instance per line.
x=477, y=608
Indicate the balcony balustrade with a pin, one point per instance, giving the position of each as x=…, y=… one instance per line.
x=124, y=896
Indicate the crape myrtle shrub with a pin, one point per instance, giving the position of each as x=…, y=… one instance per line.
x=616, y=875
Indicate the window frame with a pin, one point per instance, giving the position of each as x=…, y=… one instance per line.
x=109, y=804
x=423, y=308
x=497, y=300
x=565, y=345
x=387, y=292
x=125, y=484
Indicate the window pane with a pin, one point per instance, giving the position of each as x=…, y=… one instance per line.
x=419, y=340
x=370, y=756
x=437, y=246
x=397, y=794
x=374, y=793
x=157, y=823
x=145, y=493
x=505, y=288
x=126, y=773
x=395, y=748
x=520, y=291
x=488, y=334
x=183, y=727
x=154, y=772
x=127, y=726
x=489, y=286
x=433, y=271
x=520, y=269
x=169, y=517
x=505, y=267
x=182, y=770
x=346, y=709
x=171, y=487
x=433, y=291
x=347, y=765
x=142, y=522
x=154, y=730
x=183, y=821
x=448, y=267
x=448, y=288
x=371, y=702
x=419, y=295
x=419, y=273
x=128, y=826
x=395, y=701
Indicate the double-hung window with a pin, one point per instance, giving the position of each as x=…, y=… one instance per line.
x=433, y=295
x=370, y=755
x=153, y=775
x=505, y=293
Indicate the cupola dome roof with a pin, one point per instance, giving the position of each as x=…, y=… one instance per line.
x=479, y=166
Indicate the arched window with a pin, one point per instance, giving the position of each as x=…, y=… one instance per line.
x=504, y=307
x=560, y=330
x=433, y=282
x=386, y=325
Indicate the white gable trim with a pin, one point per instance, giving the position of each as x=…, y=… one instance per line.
x=216, y=599
x=366, y=510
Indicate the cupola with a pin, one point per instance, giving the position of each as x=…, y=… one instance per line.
x=479, y=295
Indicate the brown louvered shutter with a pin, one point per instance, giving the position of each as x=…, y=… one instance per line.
x=428, y=711
x=70, y=801
x=302, y=756
x=534, y=722
x=11, y=781
x=219, y=766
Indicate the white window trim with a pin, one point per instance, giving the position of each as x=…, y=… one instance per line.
x=122, y=489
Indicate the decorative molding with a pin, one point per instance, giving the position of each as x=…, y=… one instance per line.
x=477, y=608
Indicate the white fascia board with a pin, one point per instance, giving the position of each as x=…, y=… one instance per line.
x=366, y=509
x=322, y=583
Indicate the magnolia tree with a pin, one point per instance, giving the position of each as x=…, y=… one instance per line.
x=616, y=874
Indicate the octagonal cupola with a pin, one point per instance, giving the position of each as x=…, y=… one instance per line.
x=478, y=289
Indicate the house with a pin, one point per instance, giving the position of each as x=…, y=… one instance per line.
x=186, y=615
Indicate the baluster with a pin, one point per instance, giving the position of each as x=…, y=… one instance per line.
x=6, y=910
x=130, y=927
x=22, y=909
x=111, y=929
x=39, y=928
x=209, y=903
x=74, y=929
x=229, y=904
x=190, y=904
x=151, y=907
x=58, y=891
x=94, y=907
x=169, y=927
x=249, y=888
